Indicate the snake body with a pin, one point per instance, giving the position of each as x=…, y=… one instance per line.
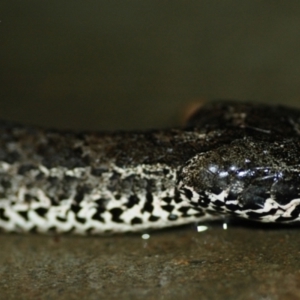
x=231, y=159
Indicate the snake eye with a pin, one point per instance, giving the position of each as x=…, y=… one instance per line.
x=252, y=179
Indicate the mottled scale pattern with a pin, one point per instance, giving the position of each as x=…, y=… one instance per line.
x=231, y=159
x=91, y=182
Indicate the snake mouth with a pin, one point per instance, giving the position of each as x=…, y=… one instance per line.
x=250, y=179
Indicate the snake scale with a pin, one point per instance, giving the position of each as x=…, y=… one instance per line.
x=231, y=159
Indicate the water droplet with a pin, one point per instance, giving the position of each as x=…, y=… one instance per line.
x=201, y=228
x=145, y=236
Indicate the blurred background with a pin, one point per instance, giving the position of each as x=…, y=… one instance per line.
x=136, y=64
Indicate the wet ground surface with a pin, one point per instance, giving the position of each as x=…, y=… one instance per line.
x=242, y=262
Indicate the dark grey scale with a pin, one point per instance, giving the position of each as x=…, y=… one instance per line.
x=127, y=184
x=56, y=201
x=65, y=188
x=170, y=176
x=177, y=197
x=76, y=151
x=151, y=185
x=163, y=188
x=151, y=172
x=23, y=169
x=5, y=183
x=218, y=208
x=11, y=157
x=90, y=230
x=75, y=208
x=80, y=220
x=232, y=207
x=101, y=203
x=172, y=217
x=81, y=191
x=214, y=212
x=28, y=198
x=3, y=215
x=136, y=220
x=284, y=219
x=41, y=211
x=218, y=204
x=167, y=199
x=295, y=212
x=216, y=187
x=116, y=213
x=60, y=219
x=132, y=201
x=166, y=171
x=98, y=172
x=184, y=210
x=232, y=196
x=168, y=208
x=40, y=176
x=117, y=196
x=188, y=193
x=232, y=214
x=23, y=214
x=55, y=153
x=69, y=179
x=199, y=214
x=203, y=200
x=148, y=206
x=101, y=208
x=53, y=180
x=198, y=209
x=62, y=196
x=33, y=229
x=153, y=218
x=86, y=159
x=98, y=217
x=254, y=215
x=114, y=181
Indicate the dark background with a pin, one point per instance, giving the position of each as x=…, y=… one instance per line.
x=137, y=64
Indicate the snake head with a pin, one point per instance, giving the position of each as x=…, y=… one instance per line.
x=251, y=179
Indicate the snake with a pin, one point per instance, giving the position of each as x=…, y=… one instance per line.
x=231, y=159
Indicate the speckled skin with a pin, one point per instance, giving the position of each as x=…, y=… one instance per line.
x=231, y=159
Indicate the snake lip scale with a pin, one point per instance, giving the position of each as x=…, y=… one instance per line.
x=231, y=159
